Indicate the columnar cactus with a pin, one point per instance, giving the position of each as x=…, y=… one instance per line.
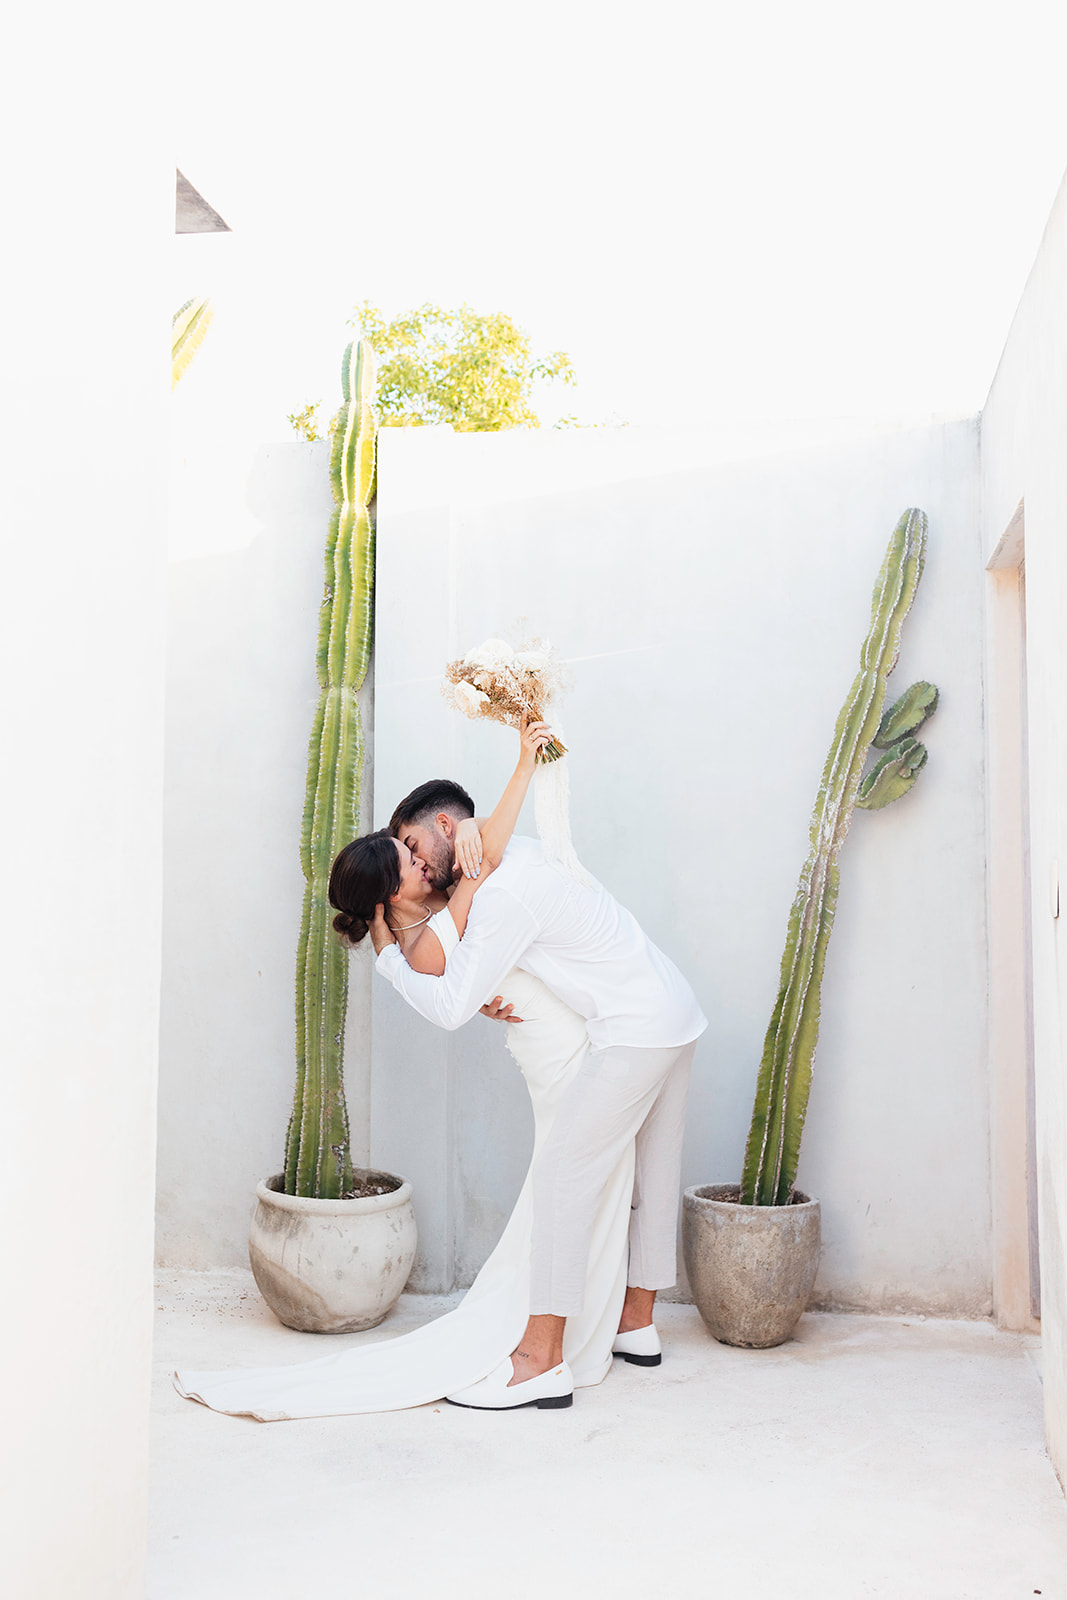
x=318, y=1159
x=773, y=1148
x=190, y=323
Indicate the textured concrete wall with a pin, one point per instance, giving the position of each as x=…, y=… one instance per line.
x=712, y=593
x=89, y=185
x=1024, y=426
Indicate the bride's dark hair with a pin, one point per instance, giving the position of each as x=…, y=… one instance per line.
x=365, y=874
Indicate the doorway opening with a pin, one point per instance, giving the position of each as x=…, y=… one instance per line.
x=1016, y=1273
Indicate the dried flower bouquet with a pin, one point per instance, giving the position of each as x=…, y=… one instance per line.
x=504, y=685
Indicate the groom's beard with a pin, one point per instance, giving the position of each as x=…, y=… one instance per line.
x=440, y=865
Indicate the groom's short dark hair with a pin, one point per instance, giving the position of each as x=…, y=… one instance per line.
x=439, y=794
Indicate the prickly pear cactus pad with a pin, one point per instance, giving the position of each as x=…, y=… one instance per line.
x=893, y=775
x=784, y=1082
x=906, y=715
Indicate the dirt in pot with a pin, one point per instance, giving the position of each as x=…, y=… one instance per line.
x=370, y=1183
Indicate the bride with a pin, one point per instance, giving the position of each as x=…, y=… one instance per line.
x=379, y=875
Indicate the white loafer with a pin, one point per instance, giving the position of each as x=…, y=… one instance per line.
x=642, y=1346
x=551, y=1391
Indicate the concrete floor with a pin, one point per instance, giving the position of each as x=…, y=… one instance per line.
x=869, y=1456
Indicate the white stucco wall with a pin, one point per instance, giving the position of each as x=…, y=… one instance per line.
x=247, y=539
x=1024, y=426
x=713, y=593
x=89, y=188
x=250, y=505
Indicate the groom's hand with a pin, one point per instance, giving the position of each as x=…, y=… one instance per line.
x=380, y=932
x=498, y=1011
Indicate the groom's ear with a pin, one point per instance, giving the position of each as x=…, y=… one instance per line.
x=446, y=824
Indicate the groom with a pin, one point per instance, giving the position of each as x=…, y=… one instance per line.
x=643, y=1021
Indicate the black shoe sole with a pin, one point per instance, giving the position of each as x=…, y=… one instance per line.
x=552, y=1402
x=639, y=1361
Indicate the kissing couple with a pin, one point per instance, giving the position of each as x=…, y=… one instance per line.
x=465, y=917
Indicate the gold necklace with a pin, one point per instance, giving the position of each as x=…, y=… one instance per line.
x=402, y=927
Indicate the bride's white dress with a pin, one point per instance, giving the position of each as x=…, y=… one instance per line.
x=458, y=1349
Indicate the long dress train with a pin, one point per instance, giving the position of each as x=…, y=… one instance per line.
x=465, y=1345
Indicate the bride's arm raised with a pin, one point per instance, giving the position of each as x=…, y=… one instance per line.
x=424, y=953
x=498, y=829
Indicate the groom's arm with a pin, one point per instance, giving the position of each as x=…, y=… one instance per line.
x=499, y=929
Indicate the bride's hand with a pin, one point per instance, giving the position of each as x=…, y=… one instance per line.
x=468, y=847
x=533, y=736
x=381, y=933
x=497, y=1011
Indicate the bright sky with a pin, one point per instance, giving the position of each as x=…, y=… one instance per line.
x=753, y=210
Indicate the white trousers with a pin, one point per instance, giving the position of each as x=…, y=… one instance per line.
x=621, y=1093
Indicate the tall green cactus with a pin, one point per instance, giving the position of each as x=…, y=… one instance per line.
x=773, y=1148
x=318, y=1157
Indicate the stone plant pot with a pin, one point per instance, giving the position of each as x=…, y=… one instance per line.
x=332, y=1266
x=751, y=1268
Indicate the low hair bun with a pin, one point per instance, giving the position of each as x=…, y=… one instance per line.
x=351, y=928
x=365, y=875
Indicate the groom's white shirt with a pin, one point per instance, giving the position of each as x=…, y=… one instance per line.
x=586, y=947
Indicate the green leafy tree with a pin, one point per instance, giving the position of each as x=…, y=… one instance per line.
x=473, y=370
x=306, y=422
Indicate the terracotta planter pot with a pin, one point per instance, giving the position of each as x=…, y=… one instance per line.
x=751, y=1268
x=332, y=1266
